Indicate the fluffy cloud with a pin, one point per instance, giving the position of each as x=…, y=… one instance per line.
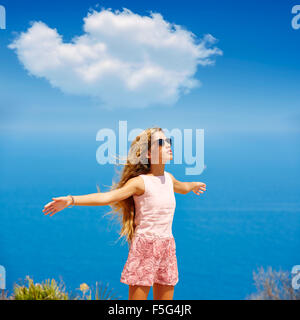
x=122, y=59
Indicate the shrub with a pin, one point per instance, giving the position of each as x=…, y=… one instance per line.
x=273, y=285
x=99, y=293
x=47, y=290
x=50, y=290
x=102, y=294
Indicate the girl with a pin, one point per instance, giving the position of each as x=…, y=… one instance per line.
x=144, y=198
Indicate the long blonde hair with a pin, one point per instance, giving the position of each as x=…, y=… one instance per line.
x=136, y=164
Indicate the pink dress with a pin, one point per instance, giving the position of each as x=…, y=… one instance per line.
x=152, y=254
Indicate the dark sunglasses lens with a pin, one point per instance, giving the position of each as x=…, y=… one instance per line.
x=161, y=142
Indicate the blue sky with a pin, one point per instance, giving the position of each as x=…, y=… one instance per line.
x=253, y=86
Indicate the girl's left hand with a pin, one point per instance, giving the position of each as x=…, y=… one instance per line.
x=199, y=187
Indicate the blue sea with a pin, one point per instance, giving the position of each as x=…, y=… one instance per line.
x=248, y=218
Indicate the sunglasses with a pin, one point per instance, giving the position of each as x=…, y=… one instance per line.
x=161, y=142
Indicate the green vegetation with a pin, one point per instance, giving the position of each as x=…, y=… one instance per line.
x=47, y=290
x=270, y=285
x=51, y=290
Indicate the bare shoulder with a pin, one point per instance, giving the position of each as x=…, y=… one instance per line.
x=138, y=184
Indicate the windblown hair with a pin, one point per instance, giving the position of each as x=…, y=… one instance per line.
x=136, y=163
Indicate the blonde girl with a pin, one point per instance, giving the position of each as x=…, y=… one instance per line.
x=144, y=202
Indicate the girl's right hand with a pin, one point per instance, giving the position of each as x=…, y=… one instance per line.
x=57, y=205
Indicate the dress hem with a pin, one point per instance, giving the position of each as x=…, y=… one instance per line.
x=149, y=285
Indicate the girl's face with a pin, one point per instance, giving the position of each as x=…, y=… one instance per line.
x=160, y=154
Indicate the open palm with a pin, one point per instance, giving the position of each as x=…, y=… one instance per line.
x=199, y=188
x=56, y=205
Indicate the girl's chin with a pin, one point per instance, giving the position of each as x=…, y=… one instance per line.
x=169, y=157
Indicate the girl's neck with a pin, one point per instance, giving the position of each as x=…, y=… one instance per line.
x=157, y=169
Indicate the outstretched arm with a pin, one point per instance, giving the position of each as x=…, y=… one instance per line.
x=186, y=187
x=94, y=199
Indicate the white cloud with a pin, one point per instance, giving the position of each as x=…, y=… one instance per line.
x=123, y=59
